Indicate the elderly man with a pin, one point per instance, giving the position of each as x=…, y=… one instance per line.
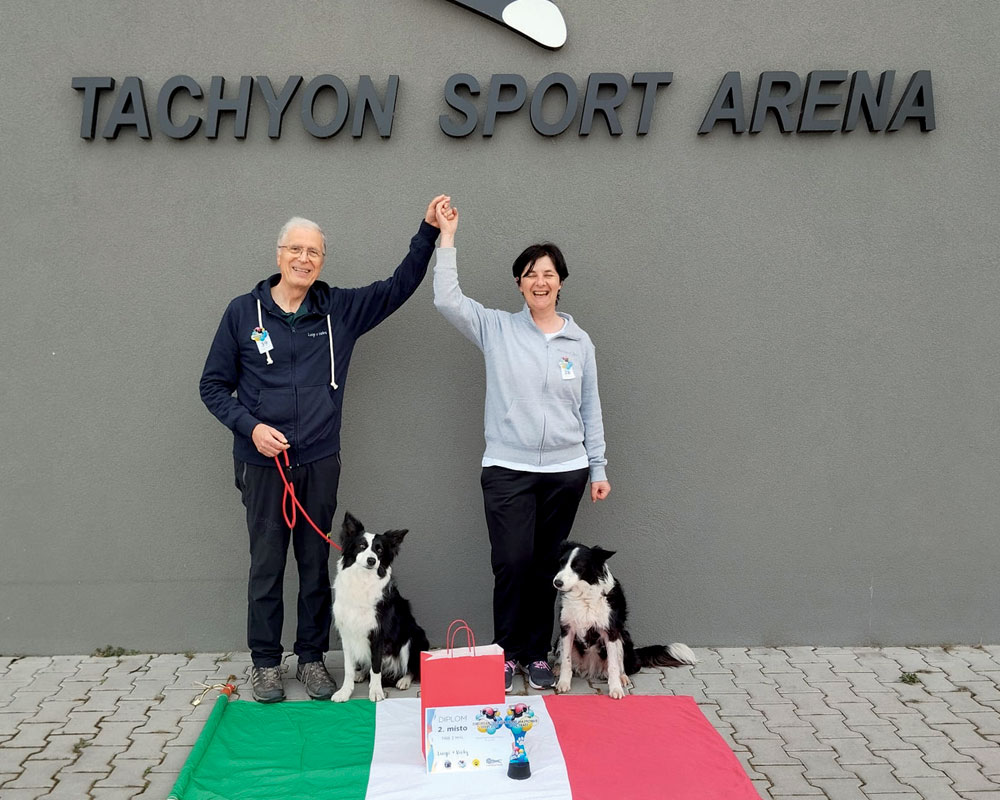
x=284, y=349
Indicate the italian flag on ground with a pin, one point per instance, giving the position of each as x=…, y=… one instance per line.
x=583, y=747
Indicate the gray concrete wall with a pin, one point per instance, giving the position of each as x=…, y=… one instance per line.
x=797, y=335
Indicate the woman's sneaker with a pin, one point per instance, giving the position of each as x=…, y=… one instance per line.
x=540, y=675
x=509, y=668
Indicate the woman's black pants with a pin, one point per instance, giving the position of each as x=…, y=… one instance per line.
x=529, y=515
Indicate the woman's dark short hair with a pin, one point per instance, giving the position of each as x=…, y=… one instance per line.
x=536, y=251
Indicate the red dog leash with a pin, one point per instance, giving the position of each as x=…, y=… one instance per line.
x=289, y=503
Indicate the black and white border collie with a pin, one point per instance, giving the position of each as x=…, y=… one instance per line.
x=376, y=626
x=593, y=641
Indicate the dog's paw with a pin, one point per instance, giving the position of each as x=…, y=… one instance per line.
x=404, y=683
x=376, y=693
x=360, y=676
x=343, y=694
x=616, y=692
x=563, y=685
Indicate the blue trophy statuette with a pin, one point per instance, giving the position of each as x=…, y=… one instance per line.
x=519, y=720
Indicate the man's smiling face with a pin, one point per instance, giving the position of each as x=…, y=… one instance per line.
x=300, y=258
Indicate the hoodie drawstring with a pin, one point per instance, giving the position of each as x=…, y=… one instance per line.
x=329, y=330
x=260, y=324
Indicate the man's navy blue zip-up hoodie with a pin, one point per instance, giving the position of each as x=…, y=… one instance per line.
x=301, y=393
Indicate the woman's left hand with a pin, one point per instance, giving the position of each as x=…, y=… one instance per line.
x=599, y=490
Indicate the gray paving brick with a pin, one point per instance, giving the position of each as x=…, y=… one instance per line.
x=95, y=760
x=82, y=722
x=30, y=702
x=840, y=692
x=173, y=759
x=36, y=774
x=811, y=703
x=751, y=728
x=735, y=655
x=820, y=673
x=988, y=758
x=983, y=691
x=115, y=734
x=840, y=788
x=32, y=734
x=878, y=779
x=782, y=716
x=908, y=725
x=793, y=683
x=853, y=751
x=937, y=713
x=885, y=737
x=158, y=786
x=733, y=705
x=748, y=768
x=936, y=788
x=788, y=781
x=968, y=778
x=771, y=752
x=772, y=660
x=797, y=739
x=12, y=758
x=127, y=772
x=130, y=711
x=147, y=746
x=801, y=655
x=23, y=794
x=867, y=682
x=909, y=763
x=709, y=661
x=161, y=721
x=985, y=722
x=10, y=720
x=720, y=683
x=831, y=726
x=59, y=747
x=75, y=690
x=985, y=660
x=748, y=673
x=72, y=786
x=117, y=793
x=822, y=764
x=765, y=693
x=909, y=659
x=857, y=715
x=843, y=662
x=937, y=750
x=642, y=683
x=888, y=703
x=981, y=795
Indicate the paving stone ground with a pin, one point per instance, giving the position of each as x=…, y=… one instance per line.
x=843, y=723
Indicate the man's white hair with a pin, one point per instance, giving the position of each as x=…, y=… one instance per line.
x=300, y=222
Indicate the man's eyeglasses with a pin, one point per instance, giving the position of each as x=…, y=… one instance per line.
x=296, y=250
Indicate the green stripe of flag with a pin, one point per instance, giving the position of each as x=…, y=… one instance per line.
x=285, y=750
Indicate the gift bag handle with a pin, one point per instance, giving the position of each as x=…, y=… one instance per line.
x=453, y=632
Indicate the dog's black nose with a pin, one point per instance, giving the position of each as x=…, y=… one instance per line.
x=371, y=562
x=557, y=583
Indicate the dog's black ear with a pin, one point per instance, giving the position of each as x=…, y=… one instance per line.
x=395, y=539
x=351, y=527
x=600, y=554
x=566, y=548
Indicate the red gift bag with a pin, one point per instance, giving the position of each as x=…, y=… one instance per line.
x=460, y=676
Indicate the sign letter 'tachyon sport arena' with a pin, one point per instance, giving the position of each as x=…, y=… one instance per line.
x=818, y=104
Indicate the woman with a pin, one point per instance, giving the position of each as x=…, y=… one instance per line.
x=544, y=439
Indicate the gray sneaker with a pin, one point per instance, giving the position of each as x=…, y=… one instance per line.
x=319, y=685
x=266, y=683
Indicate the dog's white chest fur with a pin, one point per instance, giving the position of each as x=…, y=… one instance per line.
x=585, y=606
x=357, y=591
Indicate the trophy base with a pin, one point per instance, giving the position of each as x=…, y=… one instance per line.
x=519, y=770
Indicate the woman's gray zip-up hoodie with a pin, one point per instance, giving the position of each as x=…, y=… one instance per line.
x=542, y=404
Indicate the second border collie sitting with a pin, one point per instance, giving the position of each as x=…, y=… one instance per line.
x=593, y=640
x=376, y=626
